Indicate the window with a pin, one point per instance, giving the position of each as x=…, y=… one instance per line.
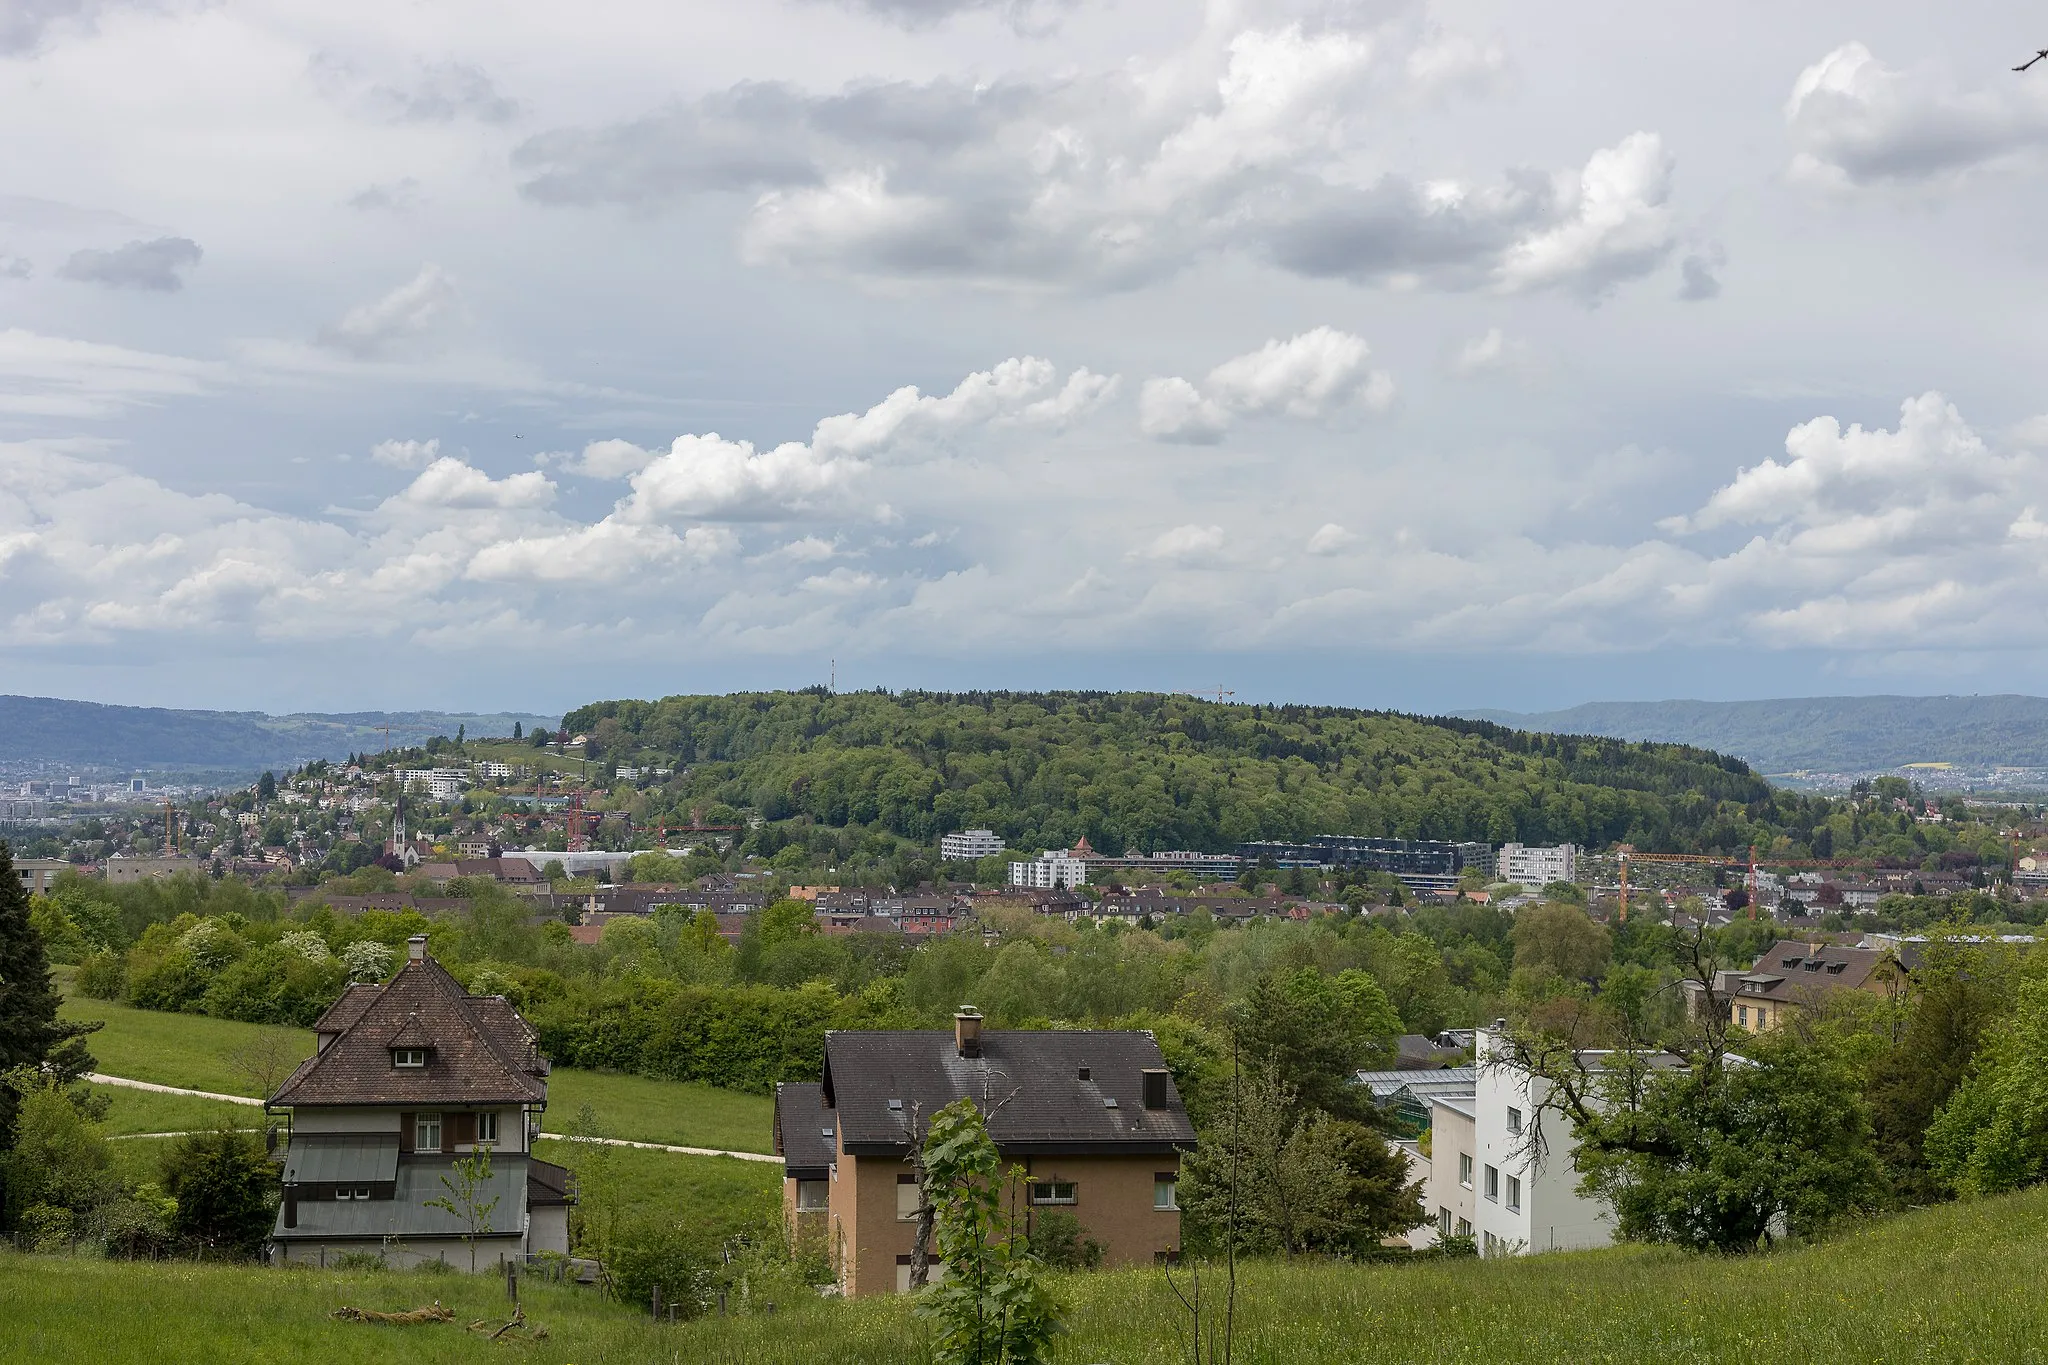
x=1165, y=1193
x=1492, y=1183
x=1742, y=1015
x=1062, y=1192
x=1514, y=1120
x=1464, y=1228
x=814, y=1196
x=426, y=1133
x=1465, y=1169
x=906, y=1198
x=1515, y=1193
x=408, y=1056
x=1443, y=1222
x=351, y=1191
x=487, y=1127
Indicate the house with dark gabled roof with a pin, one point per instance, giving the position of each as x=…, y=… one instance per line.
x=408, y=1078
x=1091, y=1115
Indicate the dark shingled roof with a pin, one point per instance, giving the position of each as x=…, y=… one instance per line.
x=481, y=1051
x=345, y=1011
x=1031, y=1078
x=801, y=1124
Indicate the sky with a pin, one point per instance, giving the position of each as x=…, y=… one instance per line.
x=1431, y=356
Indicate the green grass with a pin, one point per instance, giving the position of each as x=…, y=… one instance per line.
x=197, y=1053
x=719, y=1193
x=1960, y=1283
x=142, y=1111
x=680, y=1112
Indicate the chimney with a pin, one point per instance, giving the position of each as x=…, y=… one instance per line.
x=967, y=1031
x=416, y=948
x=1155, y=1087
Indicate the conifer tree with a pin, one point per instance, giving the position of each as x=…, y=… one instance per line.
x=30, y=1032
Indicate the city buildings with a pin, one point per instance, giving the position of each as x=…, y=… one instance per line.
x=1535, y=866
x=1053, y=868
x=970, y=843
x=1421, y=864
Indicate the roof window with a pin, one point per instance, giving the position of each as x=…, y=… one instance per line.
x=409, y=1056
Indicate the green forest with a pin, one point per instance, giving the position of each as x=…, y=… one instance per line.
x=1152, y=771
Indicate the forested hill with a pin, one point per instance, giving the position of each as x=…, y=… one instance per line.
x=1823, y=734
x=1155, y=771
x=49, y=729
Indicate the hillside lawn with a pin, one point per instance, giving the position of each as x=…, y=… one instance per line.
x=1958, y=1283
x=196, y=1052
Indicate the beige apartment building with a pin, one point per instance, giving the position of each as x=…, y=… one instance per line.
x=1092, y=1117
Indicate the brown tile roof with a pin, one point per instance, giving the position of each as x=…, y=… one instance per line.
x=344, y=1012
x=480, y=1050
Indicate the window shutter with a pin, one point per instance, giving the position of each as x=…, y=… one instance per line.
x=405, y=1132
x=465, y=1128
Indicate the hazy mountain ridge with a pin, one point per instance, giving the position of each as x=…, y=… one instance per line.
x=1821, y=734
x=50, y=729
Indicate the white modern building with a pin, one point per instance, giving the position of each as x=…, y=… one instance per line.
x=1483, y=1179
x=1533, y=866
x=1052, y=869
x=970, y=843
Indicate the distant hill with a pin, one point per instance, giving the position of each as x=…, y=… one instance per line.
x=46, y=729
x=1821, y=734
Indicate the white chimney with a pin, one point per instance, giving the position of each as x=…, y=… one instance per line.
x=416, y=948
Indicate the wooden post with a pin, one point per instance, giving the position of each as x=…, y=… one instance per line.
x=657, y=1303
x=512, y=1281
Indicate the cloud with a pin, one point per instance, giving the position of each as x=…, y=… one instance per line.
x=399, y=196
x=406, y=454
x=1175, y=410
x=15, y=267
x=396, y=320
x=449, y=483
x=1307, y=376
x=611, y=459
x=45, y=376
x=607, y=552
x=153, y=265
x=1251, y=140
x=1026, y=16
x=1698, y=277
x=1858, y=123
x=445, y=91
x=1612, y=223
x=1490, y=351
x=1331, y=539
x=27, y=25
x=1185, y=546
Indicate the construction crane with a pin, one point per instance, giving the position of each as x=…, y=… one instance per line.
x=171, y=844
x=1625, y=854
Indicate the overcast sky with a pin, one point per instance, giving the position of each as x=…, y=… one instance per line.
x=1424, y=355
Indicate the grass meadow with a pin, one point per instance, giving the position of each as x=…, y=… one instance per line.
x=195, y=1052
x=1958, y=1283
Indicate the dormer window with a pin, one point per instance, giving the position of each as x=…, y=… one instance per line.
x=408, y=1057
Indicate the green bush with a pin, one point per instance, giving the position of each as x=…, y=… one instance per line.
x=275, y=985
x=225, y=1186
x=1063, y=1243
x=676, y=1259
x=102, y=976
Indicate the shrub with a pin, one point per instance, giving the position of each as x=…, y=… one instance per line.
x=172, y=982
x=223, y=1183
x=102, y=976
x=359, y=1260
x=1063, y=1243
x=274, y=985
x=676, y=1259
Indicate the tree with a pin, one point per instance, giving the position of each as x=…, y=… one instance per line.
x=266, y=787
x=226, y=1188
x=781, y=921
x=1722, y=1164
x=1560, y=936
x=992, y=1308
x=517, y=733
x=30, y=1033
x=1305, y=1180
x=58, y=1159
x=463, y=1196
x=1317, y=1031
x=1992, y=1135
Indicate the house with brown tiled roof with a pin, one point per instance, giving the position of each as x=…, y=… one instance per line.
x=1092, y=1116
x=1795, y=975
x=408, y=1078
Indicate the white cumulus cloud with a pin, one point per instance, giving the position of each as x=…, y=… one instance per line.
x=1308, y=376
x=406, y=454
